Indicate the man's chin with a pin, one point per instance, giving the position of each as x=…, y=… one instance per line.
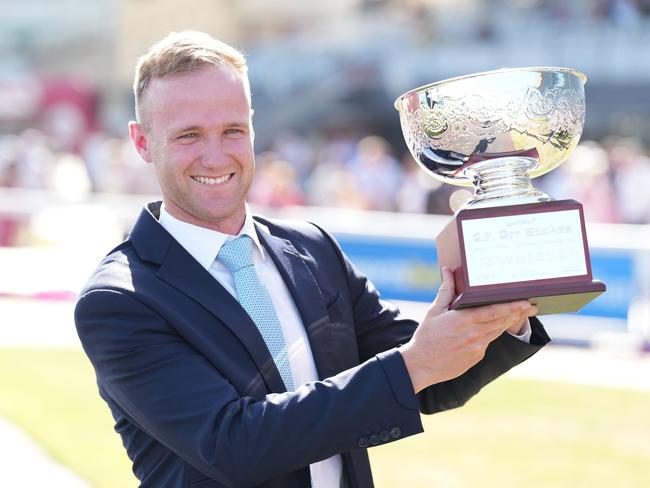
x=229, y=223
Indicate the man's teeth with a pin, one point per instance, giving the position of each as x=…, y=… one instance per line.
x=211, y=181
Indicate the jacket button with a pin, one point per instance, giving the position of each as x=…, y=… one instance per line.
x=374, y=440
x=395, y=432
x=384, y=436
x=363, y=442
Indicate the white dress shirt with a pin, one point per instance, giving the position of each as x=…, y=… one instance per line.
x=204, y=245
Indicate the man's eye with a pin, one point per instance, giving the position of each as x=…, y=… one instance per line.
x=234, y=131
x=189, y=135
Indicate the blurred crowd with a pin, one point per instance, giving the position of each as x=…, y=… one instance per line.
x=611, y=178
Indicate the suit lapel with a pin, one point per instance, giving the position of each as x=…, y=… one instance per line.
x=306, y=294
x=179, y=269
x=187, y=275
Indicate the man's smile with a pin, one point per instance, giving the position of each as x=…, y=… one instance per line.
x=206, y=180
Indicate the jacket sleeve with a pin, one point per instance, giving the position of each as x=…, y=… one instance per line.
x=169, y=390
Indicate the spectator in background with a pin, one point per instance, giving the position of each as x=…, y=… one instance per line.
x=585, y=177
x=623, y=13
x=276, y=184
x=590, y=183
x=114, y=166
x=9, y=156
x=378, y=173
x=297, y=151
x=337, y=145
x=417, y=186
x=631, y=177
x=34, y=159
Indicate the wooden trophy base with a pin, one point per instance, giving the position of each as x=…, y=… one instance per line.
x=549, y=300
x=536, y=252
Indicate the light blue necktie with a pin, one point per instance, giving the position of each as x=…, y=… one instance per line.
x=237, y=256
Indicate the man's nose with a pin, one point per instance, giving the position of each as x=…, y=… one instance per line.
x=214, y=154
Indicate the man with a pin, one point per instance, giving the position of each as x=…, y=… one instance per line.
x=237, y=351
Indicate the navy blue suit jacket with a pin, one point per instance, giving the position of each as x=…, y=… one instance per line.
x=193, y=390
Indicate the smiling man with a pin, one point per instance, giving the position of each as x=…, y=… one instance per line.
x=235, y=350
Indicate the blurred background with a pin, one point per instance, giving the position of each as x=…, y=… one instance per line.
x=324, y=77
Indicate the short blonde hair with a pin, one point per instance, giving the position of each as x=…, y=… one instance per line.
x=180, y=52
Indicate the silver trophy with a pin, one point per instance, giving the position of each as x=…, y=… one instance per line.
x=496, y=131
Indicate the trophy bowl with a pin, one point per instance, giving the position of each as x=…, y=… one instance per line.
x=495, y=130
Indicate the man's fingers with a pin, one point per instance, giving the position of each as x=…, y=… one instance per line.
x=497, y=311
x=493, y=320
x=503, y=325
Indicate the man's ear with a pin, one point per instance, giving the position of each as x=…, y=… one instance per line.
x=140, y=140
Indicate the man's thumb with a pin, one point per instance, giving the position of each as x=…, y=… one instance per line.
x=446, y=292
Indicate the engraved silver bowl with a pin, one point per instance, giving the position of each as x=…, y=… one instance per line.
x=495, y=130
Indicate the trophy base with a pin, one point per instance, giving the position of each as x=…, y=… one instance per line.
x=536, y=252
x=549, y=299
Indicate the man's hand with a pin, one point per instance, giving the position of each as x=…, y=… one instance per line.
x=449, y=342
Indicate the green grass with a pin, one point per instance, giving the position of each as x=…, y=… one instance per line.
x=52, y=395
x=515, y=433
x=518, y=433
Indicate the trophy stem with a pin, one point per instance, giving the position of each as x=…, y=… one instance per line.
x=504, y=181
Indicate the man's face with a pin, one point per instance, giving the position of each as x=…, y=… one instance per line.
x=197, y=132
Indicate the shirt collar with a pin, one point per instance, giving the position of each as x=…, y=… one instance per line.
x=204, y=244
